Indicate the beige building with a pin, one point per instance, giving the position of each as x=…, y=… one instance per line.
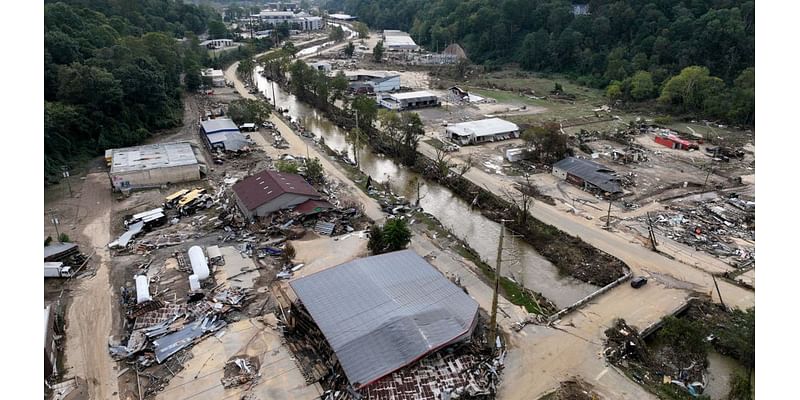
x=153, y=165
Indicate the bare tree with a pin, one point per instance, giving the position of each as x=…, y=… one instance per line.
x=466, y=166
x=523, y=198
x=442, y=163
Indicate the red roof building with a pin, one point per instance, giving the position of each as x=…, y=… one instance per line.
x=269, y=191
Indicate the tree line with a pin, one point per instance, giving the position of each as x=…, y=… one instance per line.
x=635, y=46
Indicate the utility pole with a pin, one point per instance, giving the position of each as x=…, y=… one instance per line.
x=54, y=220
x=711, y=168
x=651, y=232
x=65, y=174
x=493, y=322
x=608, y=217
x=355, y=141
x=274, y=100
x=718, y=293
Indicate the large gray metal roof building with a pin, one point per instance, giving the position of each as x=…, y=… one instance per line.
x=153, y=165
x=382, y=313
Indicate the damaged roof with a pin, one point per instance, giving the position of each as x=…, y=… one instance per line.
x=591, y=172
x=218, y=125
x=384, y=312
x=267, y=185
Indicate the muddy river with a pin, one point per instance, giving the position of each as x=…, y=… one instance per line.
x=527, y=267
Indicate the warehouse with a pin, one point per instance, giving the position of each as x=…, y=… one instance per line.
x=223, y=134
x=382, y=313
x=394, y=40
x=588, y=175
x=153, y=165
x=268, y=191
x=407, y=100
x=214, y=77
x=375, y=81
x=482, y=131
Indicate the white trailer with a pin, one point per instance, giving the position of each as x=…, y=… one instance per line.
x=57, y=270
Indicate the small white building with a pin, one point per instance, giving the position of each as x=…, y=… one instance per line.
x=153, y=165
x=216, y=76
x=407, y=100
x=482, y=131
x=322, y=66
x=217, y=43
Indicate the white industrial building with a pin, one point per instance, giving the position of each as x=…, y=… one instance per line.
x=342, y=17
x=216, y=43
x=482, y=131
x=215, y=75
x=305, y=21
x=153, y=165
x=394, y=40
x=407, y=100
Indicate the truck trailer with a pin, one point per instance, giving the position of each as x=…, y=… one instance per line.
x=57, y=270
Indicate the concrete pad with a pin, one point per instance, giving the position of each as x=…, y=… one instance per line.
x=279, y=377
x=324, y=252
x=235, y=263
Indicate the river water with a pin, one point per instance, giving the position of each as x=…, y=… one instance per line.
x=528, y=267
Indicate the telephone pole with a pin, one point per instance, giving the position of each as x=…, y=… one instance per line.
x=608, y=217
x=65, y=174
x=54, y=219
x=493, y=321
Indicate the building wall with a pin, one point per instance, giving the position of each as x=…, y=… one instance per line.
x=388, y=85
x=560, y=173
x=285, y=200
x=155, y=177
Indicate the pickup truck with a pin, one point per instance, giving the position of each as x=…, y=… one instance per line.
x=57, y=270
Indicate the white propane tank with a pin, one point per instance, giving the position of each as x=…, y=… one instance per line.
x=194, y=283
x=142, y=289
x=199, y=263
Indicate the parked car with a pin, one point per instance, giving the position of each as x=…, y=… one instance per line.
x=638, y=282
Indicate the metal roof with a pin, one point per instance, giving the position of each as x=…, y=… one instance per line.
x=233, y=141
x=152, y=156
x=384, y=312
x=267, y=185
x=218, y=125
x=483, y=127
x=54, y=251
x=591, y=172
x=412, y=95
x=396, y=40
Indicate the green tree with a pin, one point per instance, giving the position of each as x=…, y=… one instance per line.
x=248, y=111
x=314, y=171
x=377, y=51
x=338, y=86
x=245, y=69
x=349, y=49
x=413, y=130
x=549, y=144
x=367, y=110
x=286, y=167
x=614, y=91
x=337, y=33
x=689, y=90
x=290, y=49
x=642, y=87
x=396, y=234
x=743, y=105
x=376, y=245
x=217, y=30
x=684, y=335
x=362, y=29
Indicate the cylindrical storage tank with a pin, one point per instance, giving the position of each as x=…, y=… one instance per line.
x=142, y=289
x=194, y=283
x=199, y=263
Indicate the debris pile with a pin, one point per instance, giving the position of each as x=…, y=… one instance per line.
x=724, y=228
x=239, y=371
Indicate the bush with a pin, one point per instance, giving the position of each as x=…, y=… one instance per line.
x=63, y=238
x=286, y=167
x=48, y=241
x=393, y=236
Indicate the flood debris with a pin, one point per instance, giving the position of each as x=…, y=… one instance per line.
x=239, y=370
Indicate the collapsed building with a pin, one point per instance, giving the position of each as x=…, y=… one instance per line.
x=587, y=174
x=267, y=191
x=223, y=134
x=482, y=131
x=381, y=314
x=153, y=165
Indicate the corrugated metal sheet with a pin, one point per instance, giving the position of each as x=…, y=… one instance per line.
x=384, y=312
x=265, y=186
x=483, y=127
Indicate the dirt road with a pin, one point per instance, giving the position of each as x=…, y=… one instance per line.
x=89, y=317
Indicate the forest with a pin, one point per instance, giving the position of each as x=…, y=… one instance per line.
x=631, y=48
x=112, y=72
